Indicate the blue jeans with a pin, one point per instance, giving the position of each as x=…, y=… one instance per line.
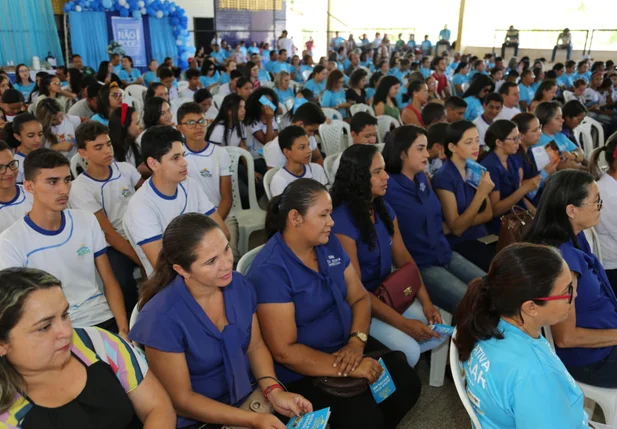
x=601, y=374
x=398, y=340
x=123, y=268
x=447, y=284
x=567, y=47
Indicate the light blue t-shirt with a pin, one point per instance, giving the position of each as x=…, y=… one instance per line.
x=577, y=75
x=459, y=79
x=99, y=118
x=125, y=76
x=426, y=45
x=474, y=108
x=219, y=56
x=24, y=89
x=263, y=76
x=563, y=143
x=334, y=98
x=285, y=95
x=426, y=72
x=565, y=80
x=527, y=93
x=519, y=382
x=148, y=78
x=317, y=88
x=207, y=81
x=444, y=34
x=277, y=67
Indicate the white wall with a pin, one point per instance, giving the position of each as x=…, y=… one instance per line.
x=197, y=9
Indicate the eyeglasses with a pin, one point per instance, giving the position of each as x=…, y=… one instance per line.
x=569, y=296
x=193, y=124
x=598, y=204
x=55, y=83
x=115, y=95
x=13, y=166
x=516, y=138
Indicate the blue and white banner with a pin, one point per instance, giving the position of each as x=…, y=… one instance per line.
x=129, y=32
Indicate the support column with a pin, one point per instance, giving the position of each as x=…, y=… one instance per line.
x=459, y=35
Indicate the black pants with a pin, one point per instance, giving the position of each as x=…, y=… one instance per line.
x=261, y=168
x=509, y=45
x=361, y=411
x=478, y=253
x=109, y=325
x=612, y=278
x=601, y=374
x=123, y=268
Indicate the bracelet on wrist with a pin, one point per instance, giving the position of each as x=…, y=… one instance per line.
x=269, y=390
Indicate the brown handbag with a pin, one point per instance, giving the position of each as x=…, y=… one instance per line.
x=255, y=403
x=343, y=387
x=400, y=288
x=513, y=227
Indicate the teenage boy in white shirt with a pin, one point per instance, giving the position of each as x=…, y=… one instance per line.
x=66, y=243
x=168, y=193
x=492, y=104
x=363, y=131
x=295, y=146
x=511, y=95
x=104, y=190
x=15, y=202
x=208, y=164
x=192, y=76
x=308, y=116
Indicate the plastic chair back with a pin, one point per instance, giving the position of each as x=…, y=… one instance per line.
x=333, y=137
x=244, y=264
x=332, y=113
x=268, y=180
x=459, y=381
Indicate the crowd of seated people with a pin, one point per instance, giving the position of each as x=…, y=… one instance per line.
x=96, y=187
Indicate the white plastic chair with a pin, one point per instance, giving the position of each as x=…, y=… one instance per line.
x=268, y=180
x=328, y=163
x=584, y=139
x=282, y=110
x=605, y=398
x=568, y=96
x=332, y=113
x=384, y=125
x=175, y=105
x=78, y=161
x=251, y=219
x=595, y=130
x=296, y=86
x=594, y=242
x=215, y=89
x=244, y=264
x=439, y=356
x=218, y=100
x=458, y=374
x=355, y=108
x=267, y=84
x=137, y=91
x=333, y=136
x=290, y=104
x=212, y=113
x=140, y=254
x=380, y=146
x=306, y=74
x=132, y=322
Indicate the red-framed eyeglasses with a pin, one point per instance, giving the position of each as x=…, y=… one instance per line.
x=569, y=296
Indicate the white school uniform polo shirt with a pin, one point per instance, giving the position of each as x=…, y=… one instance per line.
x=149, y=211
x=110, y=195
x=254, y=145
x=282, y=178
x=17, y=208
x=68, y=254
x=481, y=126
x=508, y=113
x=218, y=136
x=20, y=171
x=207, y=167
x=65, y=132
x=274, y=155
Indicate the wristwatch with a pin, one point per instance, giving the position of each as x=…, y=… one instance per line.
x=359, y=335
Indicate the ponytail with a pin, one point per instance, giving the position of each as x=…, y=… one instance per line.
x=274, y=223
x=162, y=276
x=476, y=320
x=610, y=154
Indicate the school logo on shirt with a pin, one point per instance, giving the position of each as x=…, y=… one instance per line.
x=422, y=187
x=126, y=192
x=205, y=173
x=83, y=250
x=333, y=261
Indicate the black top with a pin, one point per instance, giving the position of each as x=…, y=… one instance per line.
x=103, y=404
x=352, y=95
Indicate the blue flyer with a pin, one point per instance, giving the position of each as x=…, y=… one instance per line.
x=266, y=102
x=314, y=420
x=443, y=330
x=474, y=172
x=384, y=386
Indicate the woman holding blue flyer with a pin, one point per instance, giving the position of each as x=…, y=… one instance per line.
x=463, y=187
x=503, y=139
x=551, y=119
x=315, y=316
x=513, y=377
x=368, y=230
x=198, y=324
x=445, y=273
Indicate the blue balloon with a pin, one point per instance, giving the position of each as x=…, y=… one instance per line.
x=124, y=12
x=136, y=14
x=106, y=4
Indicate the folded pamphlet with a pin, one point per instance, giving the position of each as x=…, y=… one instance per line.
x=474, y=172
x=314, y=420
x=384, y=386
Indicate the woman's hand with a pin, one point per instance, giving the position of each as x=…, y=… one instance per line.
x=267, y=421
x=369, y=369
x=431, y=313
x=486, y=185
x=419, y=331
x=348, y=358
x=289, y=404
x=531, y=184
x=268, y=113
x=552, y=167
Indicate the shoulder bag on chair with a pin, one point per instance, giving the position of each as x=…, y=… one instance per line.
x=255, y=403
x=513, y=227
x=400, y=288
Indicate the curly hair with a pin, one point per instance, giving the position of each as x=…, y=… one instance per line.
x=352, y=186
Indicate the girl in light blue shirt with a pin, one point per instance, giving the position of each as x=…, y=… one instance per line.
x=460, y=77
x=317, y=81
x=513, y=377
x=128, y=74
x=23, y=81
x=150, y=75
x=334, y=96
x=480, y=86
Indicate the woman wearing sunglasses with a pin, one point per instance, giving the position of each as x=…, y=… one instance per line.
x=586, y=341
x=513, y=378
